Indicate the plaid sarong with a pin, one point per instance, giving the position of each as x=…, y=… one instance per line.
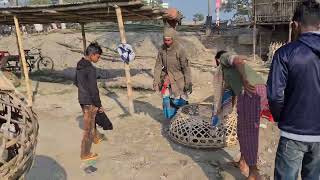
x=249, y=109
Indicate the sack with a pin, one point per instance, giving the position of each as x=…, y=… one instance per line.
x=172, y=14
x=171, y=106
x=126, y=53
x=103, y=121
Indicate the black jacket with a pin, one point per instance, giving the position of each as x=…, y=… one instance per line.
x=86, y=81
x=294, y=86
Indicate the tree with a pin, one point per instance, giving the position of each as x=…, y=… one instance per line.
x=198, y=17
x=241, y=7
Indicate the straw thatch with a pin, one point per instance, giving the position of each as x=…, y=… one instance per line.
x=101, y=11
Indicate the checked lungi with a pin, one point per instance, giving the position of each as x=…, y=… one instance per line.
x=249, y=107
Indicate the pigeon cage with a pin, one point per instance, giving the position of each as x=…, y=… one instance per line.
x=271, y=12
x=18, y=133
x=192, y=127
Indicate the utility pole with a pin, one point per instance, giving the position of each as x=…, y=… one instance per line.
x=209, y=18
x=63, y=25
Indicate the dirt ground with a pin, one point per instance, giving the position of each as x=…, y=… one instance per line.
x=138, y=148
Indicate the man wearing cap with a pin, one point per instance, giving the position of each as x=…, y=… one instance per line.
x=172, y=74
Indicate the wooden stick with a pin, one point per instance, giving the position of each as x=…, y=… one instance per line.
x=290, y=32
x=254, y=38
x=126, y=66
x=23, y=60
x=254, y=30
x=84, y=39
x=260, y=46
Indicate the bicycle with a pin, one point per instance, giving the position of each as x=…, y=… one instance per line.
x=12, y=62
x=42, y=62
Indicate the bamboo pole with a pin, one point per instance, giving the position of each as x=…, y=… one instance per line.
x=260, y=44
x=84, y=39
x=23, y=60
x=209, y=19
x=254, y=31
x=126, y=66
x=290, y=32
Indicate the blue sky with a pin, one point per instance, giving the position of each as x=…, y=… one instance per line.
x=191, y=7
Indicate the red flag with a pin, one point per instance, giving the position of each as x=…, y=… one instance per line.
x=218, y=4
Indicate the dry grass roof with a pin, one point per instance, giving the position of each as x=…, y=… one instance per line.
x=102, y=11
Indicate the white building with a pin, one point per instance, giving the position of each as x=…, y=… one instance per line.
x=4, y=3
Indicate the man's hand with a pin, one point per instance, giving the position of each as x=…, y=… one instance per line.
x=249, y=88
x=188, y=88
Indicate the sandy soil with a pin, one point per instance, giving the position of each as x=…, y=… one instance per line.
x=138, y=148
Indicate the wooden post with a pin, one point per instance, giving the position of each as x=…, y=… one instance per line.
x=254, y=31
x=84, y=39
x=260, y=44
x=209, y=19
x=126, y=66
x=290, y=32
x=23, y=60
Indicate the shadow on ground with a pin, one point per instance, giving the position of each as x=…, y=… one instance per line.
x=212, y=161
x=46, y=168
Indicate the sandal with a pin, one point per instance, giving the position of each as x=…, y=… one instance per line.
x=98, y=140
x=92, y=156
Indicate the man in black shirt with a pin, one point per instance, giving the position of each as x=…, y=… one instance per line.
x=89, y=99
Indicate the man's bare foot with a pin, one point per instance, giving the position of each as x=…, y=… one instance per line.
x=255, y=177
x=254, y=174
x=244, y=168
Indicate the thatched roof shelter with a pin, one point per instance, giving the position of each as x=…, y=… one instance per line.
x=15, y=111
x=100, y=11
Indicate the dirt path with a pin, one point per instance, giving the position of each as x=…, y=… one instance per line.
x=137, y=148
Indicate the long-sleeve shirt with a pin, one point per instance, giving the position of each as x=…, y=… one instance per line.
x=173, y=63
x=86, y=81
x=293, y=87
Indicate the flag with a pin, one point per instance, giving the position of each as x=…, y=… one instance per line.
x=218, y=4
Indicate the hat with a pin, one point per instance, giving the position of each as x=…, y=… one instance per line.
x=170, y=32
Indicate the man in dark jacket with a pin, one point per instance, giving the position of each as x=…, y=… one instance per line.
x=294, y=97
x=89, y=99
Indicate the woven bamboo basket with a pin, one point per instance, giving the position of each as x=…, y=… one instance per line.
x=18, y=134
x=192, y=127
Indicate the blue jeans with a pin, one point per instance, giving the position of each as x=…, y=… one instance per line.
x=295, y=155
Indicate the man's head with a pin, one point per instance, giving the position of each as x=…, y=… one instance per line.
x=306, y=17
x=93, y=52
x=218, y=56
x=169, y=37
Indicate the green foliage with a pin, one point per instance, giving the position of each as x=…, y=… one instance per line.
x=241, y=7
x=198, y=17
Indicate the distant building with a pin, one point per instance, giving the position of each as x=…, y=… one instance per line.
x=4, y=3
